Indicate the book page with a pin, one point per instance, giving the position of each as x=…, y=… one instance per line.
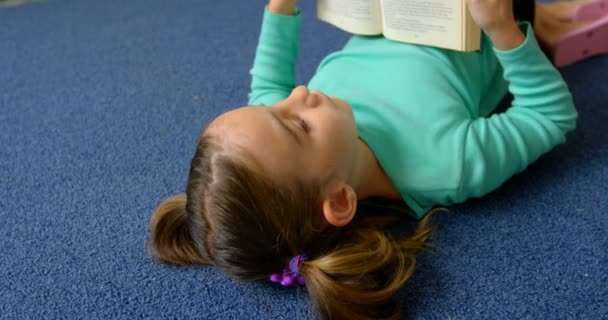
x=354, y=16
x=431, y=22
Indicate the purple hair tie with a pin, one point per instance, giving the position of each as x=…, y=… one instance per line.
x=290, y=274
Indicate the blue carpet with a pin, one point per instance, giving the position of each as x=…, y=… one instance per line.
x=101, y=103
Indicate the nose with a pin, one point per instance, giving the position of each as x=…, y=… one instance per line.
x=301, y=97
x=296, y=100
x=299, y=93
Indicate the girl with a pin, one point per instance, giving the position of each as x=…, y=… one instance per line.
x=274, y=186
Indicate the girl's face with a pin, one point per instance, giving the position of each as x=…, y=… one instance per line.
x=308, y=135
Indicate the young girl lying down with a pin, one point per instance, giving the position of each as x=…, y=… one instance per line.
x=274, y=186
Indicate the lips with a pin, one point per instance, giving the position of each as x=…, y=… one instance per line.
x=323, y=97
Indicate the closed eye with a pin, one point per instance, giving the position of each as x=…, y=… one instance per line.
x=302, y=124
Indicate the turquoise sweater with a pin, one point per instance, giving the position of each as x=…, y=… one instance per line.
x=426, y=112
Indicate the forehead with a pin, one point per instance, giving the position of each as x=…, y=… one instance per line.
x=253, y=130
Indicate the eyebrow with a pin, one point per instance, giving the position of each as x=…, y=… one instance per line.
x=291, y=132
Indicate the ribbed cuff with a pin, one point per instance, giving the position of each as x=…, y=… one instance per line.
x=527, y=50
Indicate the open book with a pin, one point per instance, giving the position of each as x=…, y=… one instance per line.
x=438, y=23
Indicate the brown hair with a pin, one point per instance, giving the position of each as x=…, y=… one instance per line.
x=234, y=217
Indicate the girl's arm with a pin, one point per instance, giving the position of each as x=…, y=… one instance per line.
x=273, y=75
x=541, y=114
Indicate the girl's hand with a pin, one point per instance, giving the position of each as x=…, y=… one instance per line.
x=496, y=19
x=285, y=7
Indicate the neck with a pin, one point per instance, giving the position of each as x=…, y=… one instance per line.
x=372, y=180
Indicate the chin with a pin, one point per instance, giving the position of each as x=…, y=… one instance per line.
x=342, y=105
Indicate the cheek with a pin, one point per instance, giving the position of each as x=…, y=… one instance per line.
x=338, y=132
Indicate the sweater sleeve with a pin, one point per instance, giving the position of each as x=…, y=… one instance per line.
x=541, y=114
x=272, y=75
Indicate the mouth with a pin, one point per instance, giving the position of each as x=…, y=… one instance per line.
x=325, y=97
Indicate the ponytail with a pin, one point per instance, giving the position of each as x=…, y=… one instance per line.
x=359, y=279
x=171, y=240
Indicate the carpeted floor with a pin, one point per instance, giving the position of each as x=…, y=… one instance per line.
x=101, y=103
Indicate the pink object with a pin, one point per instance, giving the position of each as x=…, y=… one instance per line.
x=591, y=10
x=582, y=43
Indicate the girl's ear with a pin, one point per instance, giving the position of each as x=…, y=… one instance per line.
x=339, y=205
